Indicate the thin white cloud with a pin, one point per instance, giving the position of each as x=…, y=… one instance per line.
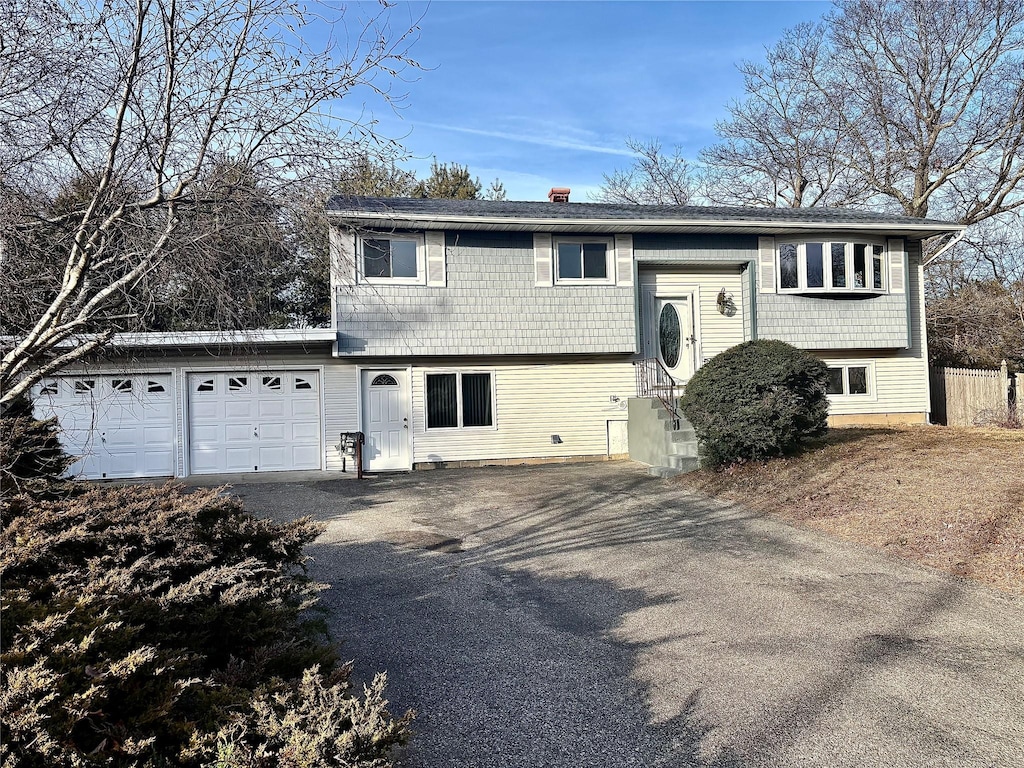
x=544, y=141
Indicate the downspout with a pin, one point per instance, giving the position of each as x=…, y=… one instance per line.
x=752, y=280
x=959, y=236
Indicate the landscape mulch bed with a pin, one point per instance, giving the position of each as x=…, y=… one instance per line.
x=949, y=498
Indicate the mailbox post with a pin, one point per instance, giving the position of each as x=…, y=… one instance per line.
x=352, y=445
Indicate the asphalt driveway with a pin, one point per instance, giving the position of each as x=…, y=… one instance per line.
x=590, y=615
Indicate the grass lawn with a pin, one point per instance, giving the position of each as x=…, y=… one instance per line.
x=950, y=498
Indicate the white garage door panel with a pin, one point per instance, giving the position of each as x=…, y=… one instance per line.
x=254, y=422
x=273, y=432
x=305, y=431
x=306, y=408
x=120, y=425
x=238, y=409
x=270, y=409
x=238, y=433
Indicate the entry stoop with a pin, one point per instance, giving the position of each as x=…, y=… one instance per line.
x=669, y=449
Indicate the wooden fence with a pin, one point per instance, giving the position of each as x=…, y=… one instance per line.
x=964, y=397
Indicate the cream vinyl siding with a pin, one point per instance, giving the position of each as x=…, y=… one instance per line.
x=900, y=376
x=717, y=332
x=531, y=403
x=339, y=385
x=900, y=383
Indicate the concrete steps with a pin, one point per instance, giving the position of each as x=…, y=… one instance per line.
x=675, y=450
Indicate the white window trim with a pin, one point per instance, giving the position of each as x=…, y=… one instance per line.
x=826, y=242
x=872, y=393
x=421, y=259
x=458, y=400
x=609, y=258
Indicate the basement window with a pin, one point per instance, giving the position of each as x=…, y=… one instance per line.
x=849, y=380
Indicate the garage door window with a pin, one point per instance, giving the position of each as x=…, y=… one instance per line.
x=272, y=383
x=84, y=386
x=49, y=387
x=205, y=385
x=121, y=385
x=155, y=386
x=302, y=383
x=238, y=383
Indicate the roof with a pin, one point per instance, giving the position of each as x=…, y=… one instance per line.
x=610, y=217
x=271, y=337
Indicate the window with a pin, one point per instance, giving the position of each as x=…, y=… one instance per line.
x=459, y=400
x=302, y=383
x=238, y=383
x=823, y=266
x=49, y=387
x=84, y=386
x=272, y=383
x=205, y=385
x=583, y=259
x=121, y=385
x=392, y=258
x=155, y=386
x=848, y=380
x=384, y=380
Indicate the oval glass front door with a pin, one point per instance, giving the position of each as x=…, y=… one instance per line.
x=669, y=336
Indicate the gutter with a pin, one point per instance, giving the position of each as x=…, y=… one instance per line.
x=267, y=337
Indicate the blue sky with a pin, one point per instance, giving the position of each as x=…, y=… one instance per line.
x=543, y=94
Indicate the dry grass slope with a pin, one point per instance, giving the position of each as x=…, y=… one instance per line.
x=948, y=498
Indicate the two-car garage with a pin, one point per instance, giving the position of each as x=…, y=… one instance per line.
x=125, y=425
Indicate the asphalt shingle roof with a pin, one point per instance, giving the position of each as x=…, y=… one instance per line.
x=484, y=209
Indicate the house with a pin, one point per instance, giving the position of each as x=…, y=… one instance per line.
x=469, y=331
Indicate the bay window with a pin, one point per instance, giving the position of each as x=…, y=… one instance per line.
x=831, y=266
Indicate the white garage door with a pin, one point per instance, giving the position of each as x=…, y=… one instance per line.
x=120, y=425
x=246, y=421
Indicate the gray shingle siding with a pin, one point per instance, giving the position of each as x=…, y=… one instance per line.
x=490, y=305
x=695, y=248
x=833, y=323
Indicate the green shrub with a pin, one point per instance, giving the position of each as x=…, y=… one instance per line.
x=756, y=400
x=150, y=626
x=32, y=460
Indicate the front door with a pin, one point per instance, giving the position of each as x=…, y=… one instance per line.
x=385, y=421
x=672, y=335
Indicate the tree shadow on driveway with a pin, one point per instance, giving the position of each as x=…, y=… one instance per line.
x=598, y=617
x=503, y=667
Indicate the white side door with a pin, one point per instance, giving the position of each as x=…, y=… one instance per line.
x=386, y=421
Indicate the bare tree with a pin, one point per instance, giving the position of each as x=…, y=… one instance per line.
x=655, y=178
x=916, y=106
x=138, y=101
x=781, y=147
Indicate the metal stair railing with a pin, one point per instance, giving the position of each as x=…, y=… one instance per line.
x=654, y=380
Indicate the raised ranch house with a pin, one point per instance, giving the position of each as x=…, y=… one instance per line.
x=483, y=331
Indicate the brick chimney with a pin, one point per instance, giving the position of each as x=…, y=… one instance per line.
x=559, y=194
